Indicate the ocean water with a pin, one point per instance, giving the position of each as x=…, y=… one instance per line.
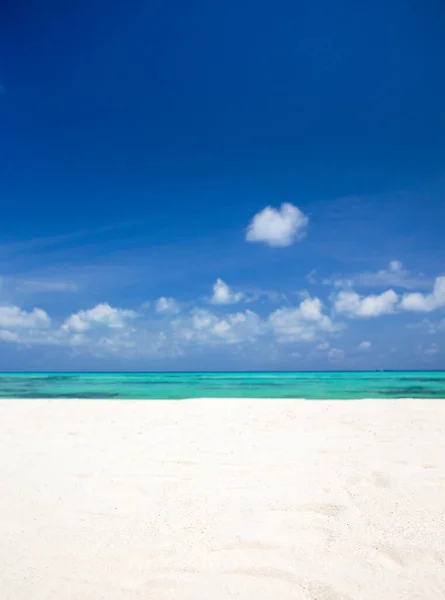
x=170, y=386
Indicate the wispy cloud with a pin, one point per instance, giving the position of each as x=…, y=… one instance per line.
x=428, y=326
x=9, y=249
x=428, y=352
x=15, y=288
x=394, y=275
x=432, y=350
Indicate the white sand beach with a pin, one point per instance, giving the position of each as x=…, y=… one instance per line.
x=215, y=499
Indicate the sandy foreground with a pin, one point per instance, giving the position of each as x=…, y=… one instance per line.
x=215, y=499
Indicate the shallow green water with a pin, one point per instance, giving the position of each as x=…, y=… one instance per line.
x=169, y=386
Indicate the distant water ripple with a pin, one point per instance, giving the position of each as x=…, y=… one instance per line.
x=171, y=386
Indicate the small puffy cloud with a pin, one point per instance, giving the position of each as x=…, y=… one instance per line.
x=238, y=327
x=102, y=314
x=167, y=305
x=426, y=302
x=353, y=305
x=278, y=228
x=222, y=294
x=364, y=346
x=301, y=323
x=335, y=354
x=12, y=317
x=205, y=327
x=323, y=346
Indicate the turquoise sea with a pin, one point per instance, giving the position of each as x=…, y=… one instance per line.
x=169, y=386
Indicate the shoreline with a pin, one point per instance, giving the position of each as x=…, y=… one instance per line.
x=219, y=399
x=246, y=498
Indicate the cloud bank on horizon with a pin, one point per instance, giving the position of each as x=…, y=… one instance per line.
x=170, y=327
x=104, y=328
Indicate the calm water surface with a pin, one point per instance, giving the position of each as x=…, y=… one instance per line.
x=169, y=386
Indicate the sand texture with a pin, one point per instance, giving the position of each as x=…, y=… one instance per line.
x=215, y=499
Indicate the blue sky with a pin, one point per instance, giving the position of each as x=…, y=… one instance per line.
x=236, y=185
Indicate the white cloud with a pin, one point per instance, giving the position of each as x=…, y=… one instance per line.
x=426, y=302
x=102, y=314
x=13, y=316
x=428, y=352
x=431, y=350
x=335, y=354
x=104, y=330
x=352, y=304
x=395, y=275
x=78, y=339
x=24, y=327
x=237, y=327
x=9, y=336
x=364, y=346
x=99, y=331
x=301, y=323
x=202, y=319
x=324, y=346
x=167, y=305
x=395, y=266
x=222, y=294
x=278, y=228
x=427, y=326
x=312, y=277
x=204, y=327
x=38, y=286
x=16, y=287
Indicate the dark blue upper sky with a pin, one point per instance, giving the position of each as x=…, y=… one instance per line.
x=138, y=141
